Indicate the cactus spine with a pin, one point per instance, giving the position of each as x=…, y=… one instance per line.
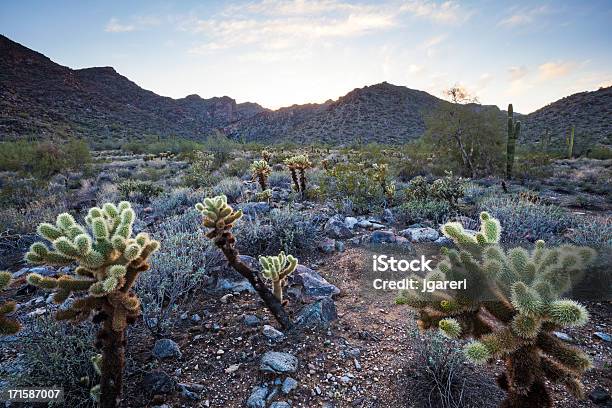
x=276, y=269
x=510, y=307
x=299, y=164
x=261, y=170
x=219, y=217
x=8, y=326
x=514, y=130
x=570, y=144
x=109, y=261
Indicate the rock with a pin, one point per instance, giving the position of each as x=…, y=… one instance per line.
x=257, y=399
x=388, y=216
x=41, y=270
x=314, y=285
x=340, y=246
x=376, y=226
x=253, y=209
x=231, y=369
x=335, y=228
x=420, y=234
x=226, y=298
x=278, y=363
x=196, y=318
x=603, y=336
x=599, y=395
x=272, y=334
x=350, y=222
x=444, y=242
x=185, y=392
x=158, y=382
x=280, y=404
x=166, y=348
x=251, y=320
x=364, y=224
x=327, y=245
x=380, y=237
x=289, y=385
x=226, y=285
x=563, y=336
x=318, y=314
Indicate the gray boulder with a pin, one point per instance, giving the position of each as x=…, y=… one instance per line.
x=289, y=385
x=166, y=348
x=420, y=234
x=327, y=245
x=314, y=285
x=158, y=382
x=350, y=222
x=382, y=237
x=272, y=334
x=278, y=363
x=335, y=228
x=318, y=314
x=257, y=399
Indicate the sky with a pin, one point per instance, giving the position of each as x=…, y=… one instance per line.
x=281, y=52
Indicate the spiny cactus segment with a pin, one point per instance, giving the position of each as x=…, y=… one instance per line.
x=277, y=269
x=219, y=217
x=261, y=170
x=108, y=262
x=8, y=326
x=511, y=306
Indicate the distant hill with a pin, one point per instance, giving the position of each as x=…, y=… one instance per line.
x=589, y=112
x=42, y=99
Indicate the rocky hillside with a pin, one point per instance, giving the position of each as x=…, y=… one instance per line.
x=40, y=98
x=589, y=112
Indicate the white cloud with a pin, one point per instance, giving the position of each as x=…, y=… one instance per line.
x=445, y=12
x=523, y=16
x=552, y=70
x=517, y=73
x=114, y=26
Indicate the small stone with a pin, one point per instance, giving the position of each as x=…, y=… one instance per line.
x=226, y=298
x=257, y=399
x=158, y=382
x=345, y=379
x=350, y=222
x=599, y=395
x=382, y=237
x=364, y=224
x=420, y=234
x=289, y=385
x=563, y=336
x=251, y=320
x=280, y=404
x=340, y=246
x=327, y=245
x=184, y=316
x=196, y=318
x=232, y=368
x=166, y=348
x=603, y=336
x=272, y=334
x=357, y=364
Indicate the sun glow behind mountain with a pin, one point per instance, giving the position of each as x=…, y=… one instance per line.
x=278, y=53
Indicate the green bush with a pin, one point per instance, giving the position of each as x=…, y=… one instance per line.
x=57, y=354
x=421, y=210
x=141, y=191
x=448, y=188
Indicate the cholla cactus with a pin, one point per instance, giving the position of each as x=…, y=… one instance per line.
x=109, y=261
x=8, y=326
x=511, y=305
x=514, y=130
x=266, y=156
x=298, y=164
x=380, y=175
x=448, y=188
x=265, y=195
x=219, y=217
x=261, y=170
x=276, y=269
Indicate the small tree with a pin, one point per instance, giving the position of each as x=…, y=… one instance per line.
x=109, y=261
x=8, y=326
x=261, y=170
x=511, y=305
x=220, y=218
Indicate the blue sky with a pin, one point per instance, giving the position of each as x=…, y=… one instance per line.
x=280, y=52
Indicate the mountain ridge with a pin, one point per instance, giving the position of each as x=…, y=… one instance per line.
x=40, y=99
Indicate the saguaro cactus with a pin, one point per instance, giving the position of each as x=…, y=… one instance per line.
x=8, y=326
x=570, y=144
x=299, y=164
x=220, y=218
x=514, y=130
x=511, y=305
x=276, y=269
x=109, y=261
x=261, y=170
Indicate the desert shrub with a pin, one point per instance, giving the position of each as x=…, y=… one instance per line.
x=57, y=354
x=176, y=269
x=44, y=159
x=524, y=221
x=441, y=378
x=281, y=230
x=176, y=200
x=592, y=231
x=155, y=145
x=448, y=188
x=532, y=165
x=200, y=172
x=22, y=218
x=280, y=179
x=600, y=152
x=421, y=210
x=140, y=191
x=237, y=167
x=356, y=183
x=233, y=188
